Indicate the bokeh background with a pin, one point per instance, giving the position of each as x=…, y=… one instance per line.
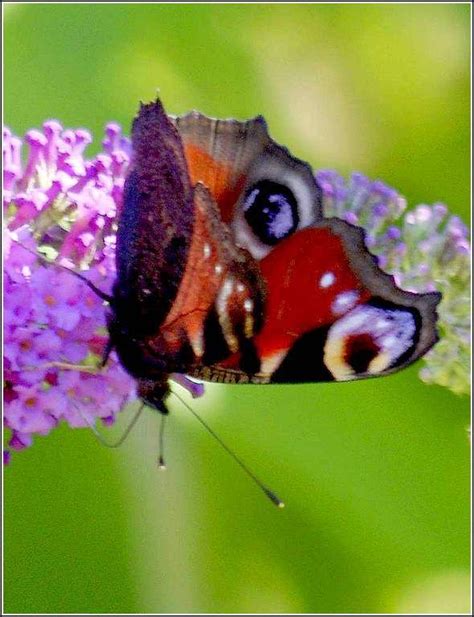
x=375, y=474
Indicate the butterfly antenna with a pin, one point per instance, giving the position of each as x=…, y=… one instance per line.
x=161, y=457
x=122, y=438
x=101, y=294
x=270, y=494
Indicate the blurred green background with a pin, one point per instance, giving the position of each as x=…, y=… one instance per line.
x=375, y=474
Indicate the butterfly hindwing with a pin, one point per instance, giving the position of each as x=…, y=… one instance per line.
x=332, y=314
x=364, y=325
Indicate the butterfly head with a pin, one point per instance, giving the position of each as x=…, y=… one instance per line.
x=153, y=394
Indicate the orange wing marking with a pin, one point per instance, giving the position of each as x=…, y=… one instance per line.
x=216, y=176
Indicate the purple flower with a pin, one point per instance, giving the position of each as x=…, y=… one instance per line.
x=32, y=410
x=62, y=204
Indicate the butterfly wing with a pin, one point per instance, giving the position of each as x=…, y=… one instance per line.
x=219, y=154
x=219, y=304
x=331, y=314
x=154, y=225
x=241, y=165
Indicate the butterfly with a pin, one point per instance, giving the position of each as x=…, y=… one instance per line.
x=228, y=271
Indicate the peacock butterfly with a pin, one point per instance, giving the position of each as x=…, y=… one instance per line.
x=228, y=271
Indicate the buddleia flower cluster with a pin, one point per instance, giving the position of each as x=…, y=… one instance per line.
x=425, y=249
x=63, y=205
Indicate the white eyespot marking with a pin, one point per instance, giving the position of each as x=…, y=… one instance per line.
x=344, y=302
x=250, y=199
x=390, y=342
x=368, y=340
x=206, y=251
x=380, y=324
x=240, y=288
x=218, y=269
x=224, y=294
x=248, y=305
x=327, y=280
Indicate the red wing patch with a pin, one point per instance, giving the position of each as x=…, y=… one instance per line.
x=309, y=285
x=332, y=314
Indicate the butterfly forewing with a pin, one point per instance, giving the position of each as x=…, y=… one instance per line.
x=155, y=223
x=219, y=154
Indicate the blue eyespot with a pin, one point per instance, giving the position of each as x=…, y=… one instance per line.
x=271, y=211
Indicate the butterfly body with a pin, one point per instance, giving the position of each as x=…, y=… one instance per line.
x=227, y=270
